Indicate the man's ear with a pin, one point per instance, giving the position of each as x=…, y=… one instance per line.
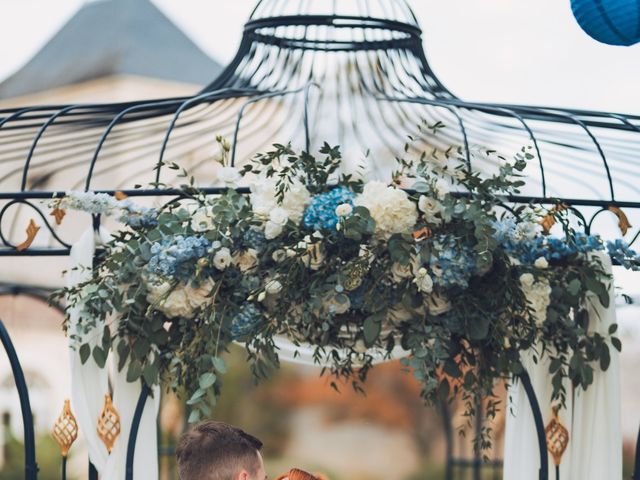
x=244, y=475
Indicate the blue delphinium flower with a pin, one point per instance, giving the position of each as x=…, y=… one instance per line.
x=452, y=263
x=623, y=254
x=175, y=257
x=245, y=321
x=321, y=212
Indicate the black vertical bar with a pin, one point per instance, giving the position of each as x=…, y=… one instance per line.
x=537, y=417
x=636, y=475
x=64, y=468
x=93, y=473
x=30, y=464
x=477, y=455
x=135, y=425
x=448, y=435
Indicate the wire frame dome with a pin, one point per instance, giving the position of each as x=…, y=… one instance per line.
x=352, y=73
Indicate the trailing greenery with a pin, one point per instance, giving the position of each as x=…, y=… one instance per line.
x=442, y=273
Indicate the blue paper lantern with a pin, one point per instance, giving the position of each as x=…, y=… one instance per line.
x=614, y=22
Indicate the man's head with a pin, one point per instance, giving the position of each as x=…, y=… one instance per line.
x=217, y=451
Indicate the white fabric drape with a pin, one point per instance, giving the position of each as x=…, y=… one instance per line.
x=90, y=383
x=597, y=424
x=592, y=417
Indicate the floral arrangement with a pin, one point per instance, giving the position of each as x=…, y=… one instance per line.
x=443, y=269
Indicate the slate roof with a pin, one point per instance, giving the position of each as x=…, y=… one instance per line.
x=112, y=37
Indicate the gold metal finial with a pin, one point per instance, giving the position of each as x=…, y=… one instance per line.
x=65, y=430
x=109, y=424
x=32, y=231
x=557, y=437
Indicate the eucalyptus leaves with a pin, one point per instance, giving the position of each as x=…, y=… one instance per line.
x=441, y=269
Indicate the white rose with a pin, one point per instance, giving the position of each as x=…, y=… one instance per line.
x=390, y=207
x=273, y=287
x=228, y=176
x=279, y=216
x=279, y=255
x=202, y=219
x=423, y=281
x=527, y=280
x=344, y=210
x=438, y=304
x=222, y=259
x=538, y=297
x=263, y=199
x=541, y=263
x=246, y=260
x=431, y=209
x=272, y=230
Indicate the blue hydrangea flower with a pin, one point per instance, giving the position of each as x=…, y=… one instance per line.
x=623, y=254
x=321, y=212
x=254, y=238
x=452, y=263
x=246, y=321
x=176, y=257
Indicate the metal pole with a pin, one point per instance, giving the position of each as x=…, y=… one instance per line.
x=133, y=435
x=31, y=466
x=537, y=417
x=636, y=475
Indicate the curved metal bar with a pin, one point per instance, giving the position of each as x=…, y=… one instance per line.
x=133, y=434
x=537, y=418
x=217, y=94
x=30, y=463
x=7, y=243
x=257, y=99
x=111, y=126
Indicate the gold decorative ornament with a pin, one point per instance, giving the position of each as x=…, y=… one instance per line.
x=58, y=214
x=623, y=221
x=549, y=220
x=32, y=231
x=65, y=430
x=557, y=437
x=109, y=424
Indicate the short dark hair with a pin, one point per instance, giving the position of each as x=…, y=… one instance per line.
x=217, y=451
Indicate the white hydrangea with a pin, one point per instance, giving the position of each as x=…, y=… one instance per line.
x=390, y=207
x=264, y=201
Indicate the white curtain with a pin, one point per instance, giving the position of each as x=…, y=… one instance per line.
x=90, y=384
x=592, y=416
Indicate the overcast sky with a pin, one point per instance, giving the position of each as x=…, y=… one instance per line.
x=521, y=51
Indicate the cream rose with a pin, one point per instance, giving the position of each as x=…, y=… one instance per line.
x=423, y=281
x=228, y=177
x=344, y=210
x=183, y=301
x=541, y=263
x=246, y=260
